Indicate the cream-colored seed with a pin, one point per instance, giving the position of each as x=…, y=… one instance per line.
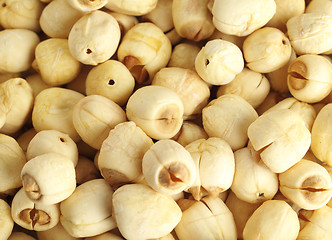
x=184, y=55
x=33, y=216
x=168, y=167
x=120, y=157
x=6, y=221
x=58, y=17
x=158, y=213
x=132, y=7
x=248, y=84
x=206, y=219
x=144, y=49
x=53, y=109
x=215, y=166
x=55, y=233
x=266, y=50
x=192, y=19
x=192, y=90
x=24, y=139
x=125, y=22
x=105, y=236
x=16, y=100
x=85, y=170
x=315, y=224
x=278, y=78
x=111, y=79
x=12, y=160
x=253, y=181
x=161, y=15
x=274, y=219
x=241, y=211
x=94, y=116
x=48, y=141
x=55, y=63
x=305, y=110
x=242, y=17
x=17, y=47
x=307, y=184
x=284, y=11
x=20, y=236
x=218, y=62
x=281, y=137
x=321, y=137
x=157, y=110
x=21, y=14
x=94, y=38
x=310, y=78
x=229, y=117
x=310, y=33
x=88, y=211
x=88, y=5
x=189, y=132
x=37, y=83
x=48, y=178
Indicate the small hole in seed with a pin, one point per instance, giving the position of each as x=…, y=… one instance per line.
x=4, y=5
x=111, y=82
x=284, y=41
x=62, y=139
x=207, y=62
x=88, y=51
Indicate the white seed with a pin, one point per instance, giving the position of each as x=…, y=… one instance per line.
x=266, y=50
x=218, y=62
x=321, y=135
x=47, y=141
x=157, y=110
x=229, y=117
x=130, y=7
x=120, y=157
x=48, y=178
x=158, y=213
x=253, y=181
x=94, y=38
x=88, y=211
x=273, y=220
x=281, y=137
x=94, y=116
x=110, y=79
x=307, y=184
x=215, y=166
x=310, y=78
x=17, y=47
x=33, y=216
x=53, y=109
x=168, y=167
x=12, y=160
x=6, y=221
x=242, y=17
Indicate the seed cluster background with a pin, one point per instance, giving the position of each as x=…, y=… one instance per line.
x=165, y=119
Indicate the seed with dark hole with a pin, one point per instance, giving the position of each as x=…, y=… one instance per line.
x=207, y=62
x=111, y=82
x=62, y=139
x=88, y=51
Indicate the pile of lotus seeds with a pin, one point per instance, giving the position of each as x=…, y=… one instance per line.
x=165, y=119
